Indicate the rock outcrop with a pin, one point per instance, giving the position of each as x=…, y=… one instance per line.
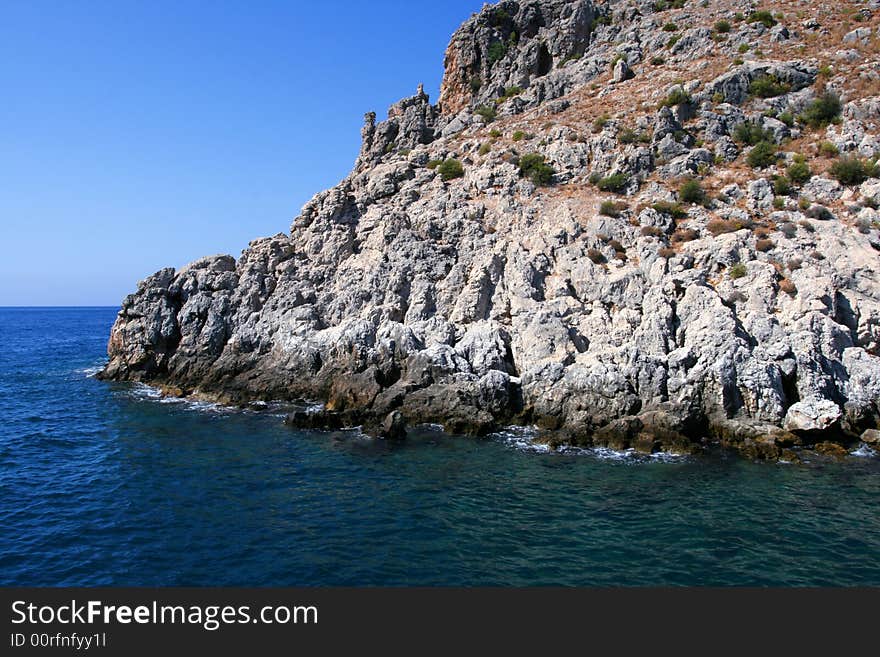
x=550, y=268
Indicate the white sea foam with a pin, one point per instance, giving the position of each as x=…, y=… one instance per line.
x=523, y=438
x=90, y=371
x=864, y=451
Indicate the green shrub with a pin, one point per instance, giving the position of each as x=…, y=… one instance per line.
x=510, y=92
x=778, y=202
x=518, y=135
x=822, y=111
x=691, y=191
x=476, y=83
x=614, y=183
x=670, y=27
x=722, y=27
x=497, y=51
x=852, y=170
x=787, y=118
x=657, y=61
x=534, y=167
x=485, y=148
x=450, y=169
x=739, y=17
x=677, y=96
x=488, y=113
x=743, y=48
x=762, y=155
x=764, y=17
x=673, y=40
x=737, y=270
x=781, y=186
x=610, y=209
x=433, y=164
x=600, y=123
x=630, y=136
x=751, y=133
x=799, y=172
x=828, y=149
x=674, y=210
x=768, y=86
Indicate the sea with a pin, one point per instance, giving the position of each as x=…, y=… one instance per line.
x=112, y=484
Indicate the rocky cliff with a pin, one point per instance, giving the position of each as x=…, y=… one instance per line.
x=647, y=224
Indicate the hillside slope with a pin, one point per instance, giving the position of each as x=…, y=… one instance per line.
x=647, y=224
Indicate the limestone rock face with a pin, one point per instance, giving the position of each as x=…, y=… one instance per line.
x=609, y=313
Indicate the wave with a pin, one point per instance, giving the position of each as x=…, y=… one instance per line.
x=92, y=370
x=524, y=439
x=864, y=451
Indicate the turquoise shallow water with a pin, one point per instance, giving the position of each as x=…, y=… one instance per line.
x=105, y=484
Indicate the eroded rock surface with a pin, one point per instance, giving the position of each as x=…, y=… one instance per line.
x=399, y=297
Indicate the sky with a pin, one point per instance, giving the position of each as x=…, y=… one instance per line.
x=140, y=135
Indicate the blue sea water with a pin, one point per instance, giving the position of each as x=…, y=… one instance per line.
x=108, y=484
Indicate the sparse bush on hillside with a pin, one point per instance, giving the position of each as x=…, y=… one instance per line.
x=596, y=256
x=666, y=253
x=737, y=270
x=788, y=229
x=450, y=169
x=670, y=27
x=677, y=96
x=721, y=226
x=651, y=231
x=768, y=86
x=614, y=183
x=722, y=27
x=600, y=123
x=764, y=17
x=781, y=186
x=822, y=111
x=684, y=235
x=762, y=155
x=691, y=191
x=534, y=167
x=852, y=170
x=674, y=210
x=518, y=135
x=799, y=171
x=764, y=245
x=611, y=208
x=828, y=149
x=749, y=132
x=487, y=112
x=497, y=51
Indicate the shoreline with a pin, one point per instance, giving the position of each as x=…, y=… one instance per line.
x=315, y=416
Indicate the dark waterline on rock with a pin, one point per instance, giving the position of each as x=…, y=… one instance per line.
x=106, y=484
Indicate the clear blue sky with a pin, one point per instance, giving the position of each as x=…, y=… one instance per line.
x=138, y=135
